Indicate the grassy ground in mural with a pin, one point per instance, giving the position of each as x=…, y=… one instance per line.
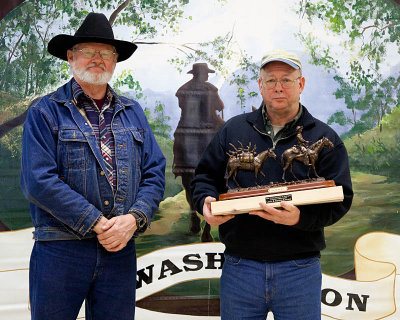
x=376, y=207
x=170, y=226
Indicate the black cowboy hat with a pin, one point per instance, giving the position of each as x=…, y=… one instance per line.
x=95, y=28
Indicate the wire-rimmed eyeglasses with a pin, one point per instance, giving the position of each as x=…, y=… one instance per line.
x=90, y=53
x=285, y=83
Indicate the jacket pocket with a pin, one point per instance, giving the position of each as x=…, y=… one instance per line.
x=137, y=145
x=74, y=149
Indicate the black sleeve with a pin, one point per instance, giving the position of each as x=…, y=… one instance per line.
x=209, y=174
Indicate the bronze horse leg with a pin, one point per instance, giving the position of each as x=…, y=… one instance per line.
x=256, y=172
x=228, y=175
x=232, y=173
x=234, y=177
x=291, y=170
x=313, y=160
x=288, y=162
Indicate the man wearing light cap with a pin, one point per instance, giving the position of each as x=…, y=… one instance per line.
x=94, y=176
x=272, y=256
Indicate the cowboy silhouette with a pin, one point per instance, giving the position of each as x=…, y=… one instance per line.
x=199, y=101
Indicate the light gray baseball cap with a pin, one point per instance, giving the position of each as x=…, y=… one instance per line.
x=281, y=55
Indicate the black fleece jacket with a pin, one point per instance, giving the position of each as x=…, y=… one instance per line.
x=252, y=237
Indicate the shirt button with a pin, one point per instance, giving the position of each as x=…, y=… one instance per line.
x=106, y=203
x=102, y=173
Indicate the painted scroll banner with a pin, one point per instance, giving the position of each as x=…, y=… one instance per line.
x=373, y=295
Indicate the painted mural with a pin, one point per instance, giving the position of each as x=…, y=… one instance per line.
x=351, y=56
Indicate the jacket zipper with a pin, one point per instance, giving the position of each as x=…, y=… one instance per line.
x=274, y=143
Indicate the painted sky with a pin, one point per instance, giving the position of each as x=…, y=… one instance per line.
x=259, y=25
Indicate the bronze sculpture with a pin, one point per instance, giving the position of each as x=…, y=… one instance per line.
x=309, y=157
x=246, y=159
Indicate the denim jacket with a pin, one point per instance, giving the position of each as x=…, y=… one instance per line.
x=63, y=173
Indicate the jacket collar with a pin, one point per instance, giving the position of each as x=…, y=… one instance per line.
x=64, y=94
x=256, y=119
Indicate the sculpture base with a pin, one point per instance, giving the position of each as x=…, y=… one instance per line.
x=298, y=193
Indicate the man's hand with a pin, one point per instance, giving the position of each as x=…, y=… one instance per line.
x=116, y=232
x=289, y=215
x=213, y=220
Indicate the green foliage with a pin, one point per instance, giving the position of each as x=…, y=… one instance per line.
x=126, y=79
x=357, y=129
x=148, y=18
x=370, y=31
x=218, y=52
x=11, y=107
x=368, y=103
x=248, y=72
x=26, y=68
x=159, y=121
x=172, y=185
x=377, y=150
x=338, y=117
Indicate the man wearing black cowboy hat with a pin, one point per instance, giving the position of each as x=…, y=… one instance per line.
x=94, y=176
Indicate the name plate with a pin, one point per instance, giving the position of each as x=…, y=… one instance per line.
x=278, y=189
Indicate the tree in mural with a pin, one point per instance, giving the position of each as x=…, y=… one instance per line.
x=370, y=35
x=28, y=71
x=369, y=31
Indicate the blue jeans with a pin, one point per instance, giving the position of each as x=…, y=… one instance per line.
x=63, y=274
x=290, y=289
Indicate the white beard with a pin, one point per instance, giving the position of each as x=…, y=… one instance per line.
x=85, y=75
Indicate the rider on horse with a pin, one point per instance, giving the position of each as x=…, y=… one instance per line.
x=302, y=144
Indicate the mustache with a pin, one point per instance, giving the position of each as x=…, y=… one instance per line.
x=93, y=64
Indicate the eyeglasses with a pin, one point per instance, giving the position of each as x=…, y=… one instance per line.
x=285, y=83
x=90, y=53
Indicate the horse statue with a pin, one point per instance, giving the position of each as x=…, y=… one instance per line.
x=309, y=158
x=246, y=159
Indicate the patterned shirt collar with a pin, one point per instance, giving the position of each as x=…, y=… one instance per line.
x=78, y=94
x=286, y=129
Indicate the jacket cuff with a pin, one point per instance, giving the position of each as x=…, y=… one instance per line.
x=88, y=221
x=96, y=222
x=141, y=221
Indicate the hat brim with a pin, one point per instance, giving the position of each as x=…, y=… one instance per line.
x=207, y=70
x=290, y=63
x=59, y=45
